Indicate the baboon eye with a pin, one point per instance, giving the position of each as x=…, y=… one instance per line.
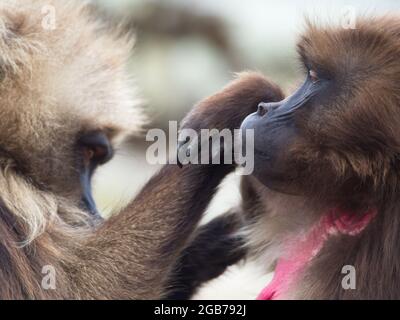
x=313, y=76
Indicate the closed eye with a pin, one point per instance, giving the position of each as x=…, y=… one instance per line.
x=96, y=149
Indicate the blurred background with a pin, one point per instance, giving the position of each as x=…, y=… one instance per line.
x=188, y=49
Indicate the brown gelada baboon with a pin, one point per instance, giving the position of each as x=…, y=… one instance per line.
x=322, y=206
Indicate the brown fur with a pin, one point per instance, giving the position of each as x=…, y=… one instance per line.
x=364, y=139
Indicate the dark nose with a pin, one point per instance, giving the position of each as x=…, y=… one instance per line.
x=265, y=107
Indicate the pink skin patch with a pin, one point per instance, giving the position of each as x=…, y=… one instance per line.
x=302, y=250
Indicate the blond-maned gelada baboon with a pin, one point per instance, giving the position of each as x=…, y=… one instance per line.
x=65, y=103
x=323, y=203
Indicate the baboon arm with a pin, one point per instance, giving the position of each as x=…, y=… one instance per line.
x=133, y=253
x=215, y=246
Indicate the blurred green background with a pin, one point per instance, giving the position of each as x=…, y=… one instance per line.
x=188, y=49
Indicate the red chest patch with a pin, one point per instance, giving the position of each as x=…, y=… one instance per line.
x=300, y=251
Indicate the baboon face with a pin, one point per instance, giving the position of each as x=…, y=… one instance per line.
x=65, y=99
x=341, y=127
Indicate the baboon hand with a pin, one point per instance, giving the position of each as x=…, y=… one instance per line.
x=226, y=110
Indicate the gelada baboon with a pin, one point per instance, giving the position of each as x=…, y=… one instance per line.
x=323, y=203
x=65, y=103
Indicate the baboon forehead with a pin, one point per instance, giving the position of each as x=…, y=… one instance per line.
x=368, y=43
x=59, y=65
